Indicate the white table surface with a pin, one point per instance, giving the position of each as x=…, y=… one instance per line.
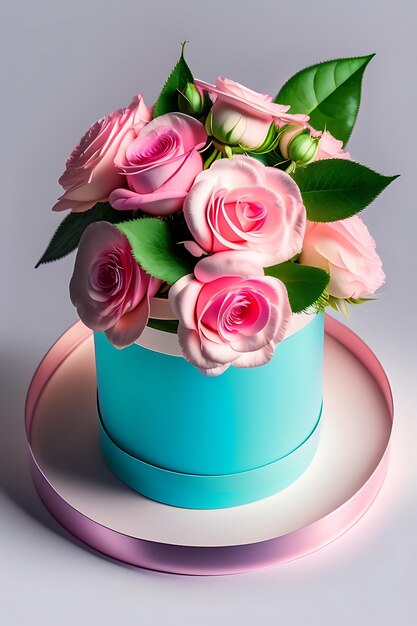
x=66, y=64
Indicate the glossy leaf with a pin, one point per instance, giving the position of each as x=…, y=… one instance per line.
x=68, y=233
x=177, y=81
x=334, y=189
x=153, y=247
x=329, y=93
x=305, y=284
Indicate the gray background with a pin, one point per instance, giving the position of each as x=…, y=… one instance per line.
x=65, y=65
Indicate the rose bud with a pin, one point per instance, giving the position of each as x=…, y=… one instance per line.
x=191, y=100
x=241, y=116
x=298, y=145
x=228, y=128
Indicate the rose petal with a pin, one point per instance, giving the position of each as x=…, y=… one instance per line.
x=183, y=297
x=221, y=353
x=215, y=371
x=243, y=98
x=63, y=204
x=130, y=326
x=193, y=248
x=255, y=359
x=223, y=264
x=191, y=348
x=157, y=203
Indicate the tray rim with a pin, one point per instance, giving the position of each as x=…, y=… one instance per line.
x=207, y=560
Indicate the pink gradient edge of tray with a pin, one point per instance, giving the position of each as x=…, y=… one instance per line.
x=202, y=560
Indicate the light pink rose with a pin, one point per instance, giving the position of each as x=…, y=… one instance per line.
x=242, y=116
x=240, y=204
x=109, y=288
x=347, y=251
x=329, y=146
x=161, y=165
x=90, y=173
x=229, y=313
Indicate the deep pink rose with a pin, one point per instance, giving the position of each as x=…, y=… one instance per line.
x=242, y=116
x=109, y=288
x=161, y=165
x=240, y=204
x=347, y=251
x=90, y=173
x=229, y=313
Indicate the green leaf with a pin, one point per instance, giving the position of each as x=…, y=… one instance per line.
x=68, y=233
x=168, y=326
x=334, y=189
x=305, y=284
x=154, y=248
x=177, y=81
x=329, y=93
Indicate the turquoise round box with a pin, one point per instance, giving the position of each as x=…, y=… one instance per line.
x=193, y=441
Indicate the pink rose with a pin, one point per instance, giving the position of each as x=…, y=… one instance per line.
x=242, y=116
x=328, y=146
x=161, y=165
x=109, y=288
x=90, y=173
x=347, y=251
x=229, y=313
x=240, y=204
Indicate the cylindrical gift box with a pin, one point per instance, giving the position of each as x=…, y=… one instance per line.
x=188, y=440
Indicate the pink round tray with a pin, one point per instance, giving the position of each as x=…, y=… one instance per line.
x=84, y=496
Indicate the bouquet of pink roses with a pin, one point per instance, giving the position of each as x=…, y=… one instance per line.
x=236, y=208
